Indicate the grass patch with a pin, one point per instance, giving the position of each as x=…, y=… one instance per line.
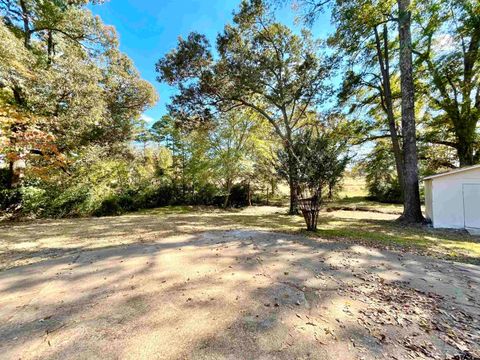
x=168, y=210
x=364, y=204
x=369, y=229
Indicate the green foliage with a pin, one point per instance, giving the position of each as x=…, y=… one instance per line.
x=9, y=199
x=382, y=180
x=34, y=200
x=262, y=66
x=240, y=195
x=65, y=86
x=448, y=57
x=321, y=162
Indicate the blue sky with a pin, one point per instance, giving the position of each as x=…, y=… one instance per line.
x=148, y=29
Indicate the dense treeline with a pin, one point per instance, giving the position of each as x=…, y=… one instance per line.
x=68, y=97
x=73, y=141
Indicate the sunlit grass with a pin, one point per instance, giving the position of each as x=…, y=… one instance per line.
x=167, y=210
x=374, y=230
x=371, y=229
x=351, y=216
x=364, y=227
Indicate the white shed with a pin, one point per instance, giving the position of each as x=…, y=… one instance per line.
x=452, y=199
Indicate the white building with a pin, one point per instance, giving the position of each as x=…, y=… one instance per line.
x=452, y=199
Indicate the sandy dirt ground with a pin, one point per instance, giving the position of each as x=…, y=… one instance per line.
x=188, y=287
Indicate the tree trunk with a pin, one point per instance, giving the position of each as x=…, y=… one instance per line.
x=293, y=184
x=412, y=212
x=466, y=142
x=384, y=62
x=50, y=47
x=229, y=189
x=26, y=24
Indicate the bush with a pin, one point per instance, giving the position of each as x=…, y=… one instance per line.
x=70, y=202
x=9, y=198
x=34, y=200
x=382, y=181
x=153, y=196
x=129, y=201
x=109, y=207
x=239, y=195
x=4, y=178
x=208, y=194
x=385, y=190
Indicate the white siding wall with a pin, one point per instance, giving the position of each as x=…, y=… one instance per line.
x=428, y=199
x=447, y=198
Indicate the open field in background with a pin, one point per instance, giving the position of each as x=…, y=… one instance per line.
x=352, y=195
x=353, y=187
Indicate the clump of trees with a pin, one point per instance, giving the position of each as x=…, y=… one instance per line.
x=262, y=66
x=65, y=91
x=257, y=107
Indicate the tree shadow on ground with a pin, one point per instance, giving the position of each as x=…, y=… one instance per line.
x=230, y=293
x=31, y=242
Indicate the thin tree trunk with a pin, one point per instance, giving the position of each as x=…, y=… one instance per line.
x=229, y=189
x=293, y=197
x=412, y=212
x=50, y=47
x=384, y=62
x=293, y=185
x=26, y=24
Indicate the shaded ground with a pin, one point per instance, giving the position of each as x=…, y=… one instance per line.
x=216, y=285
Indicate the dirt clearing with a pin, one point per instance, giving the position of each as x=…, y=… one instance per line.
x=186, y=287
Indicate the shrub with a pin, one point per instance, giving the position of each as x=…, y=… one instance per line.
x=70, y=202
x=34, y=200
x=156, y=196
x=382, y=181
x=208, y=194
x=239, y=195
x=9, y=198
x=109, y=207
x=385, y=190
x=4, y=178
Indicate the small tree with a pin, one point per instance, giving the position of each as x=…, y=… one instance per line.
x=321, y=164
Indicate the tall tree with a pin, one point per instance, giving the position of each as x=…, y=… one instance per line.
x=363, y=11
x=235, y=139
x=412, y=211
x=261, y=65
x=363, y=37
x=449, y=50
x=69, y=80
